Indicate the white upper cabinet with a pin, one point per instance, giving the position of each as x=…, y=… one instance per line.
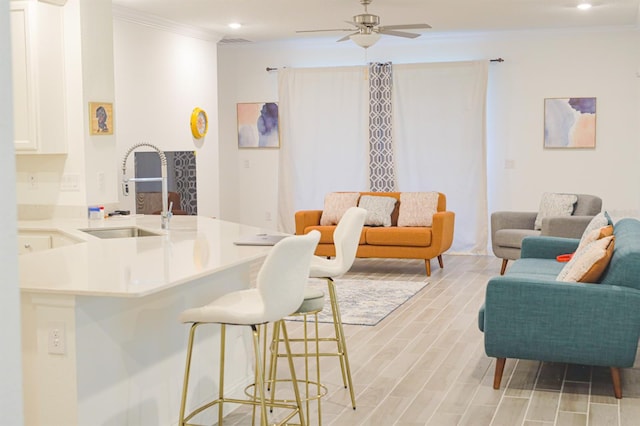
x=38, y=78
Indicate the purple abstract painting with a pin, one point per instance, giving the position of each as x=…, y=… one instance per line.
x=570, y=123
x=258, y=125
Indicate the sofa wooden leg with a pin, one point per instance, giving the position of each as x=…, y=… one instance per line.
x=504, y=266
x=497, y=377
x=440, y=261
x=617, y=386
x=427, y=265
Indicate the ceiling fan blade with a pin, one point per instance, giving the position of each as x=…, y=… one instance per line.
x=405, y=27
x=345, y=38
x=318, y=31
x=398, y=33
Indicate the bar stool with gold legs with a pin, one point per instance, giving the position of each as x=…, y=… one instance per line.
x=279, y=291
x=313, y=388
x=346, y=238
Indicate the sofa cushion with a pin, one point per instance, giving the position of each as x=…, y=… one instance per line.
x=553, y=204
x=513, y=237
x=417, y=208
x=535, y=268
x=326, y=233
x=589, y=262
x=336, y=204
x=399, y=236
x=378, y=209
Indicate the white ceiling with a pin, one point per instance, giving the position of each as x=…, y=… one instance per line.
x=265, y=20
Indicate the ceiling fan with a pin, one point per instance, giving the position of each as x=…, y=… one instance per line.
x=367, y=29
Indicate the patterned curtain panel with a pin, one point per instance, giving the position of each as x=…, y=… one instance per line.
x=381, y=166
x=184, y=163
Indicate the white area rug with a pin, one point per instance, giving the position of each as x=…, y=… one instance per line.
x=365, y=302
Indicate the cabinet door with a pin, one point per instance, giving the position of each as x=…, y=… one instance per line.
x=24, y=91
x=37, y=42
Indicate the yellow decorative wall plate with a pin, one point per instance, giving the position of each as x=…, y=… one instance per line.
x=199, y=123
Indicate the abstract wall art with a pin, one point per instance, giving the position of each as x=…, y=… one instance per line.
x=570, y=123
x=258, y=125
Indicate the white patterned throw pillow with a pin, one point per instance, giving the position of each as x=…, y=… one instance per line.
x=335, y=205
x=378, y=209
x=417, y=208
x=588, y=263
x=553, y=204
x=597, y=222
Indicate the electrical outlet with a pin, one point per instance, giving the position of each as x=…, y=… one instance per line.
x=33, y=181
x=267, y=216
x=70, y=182
x=56, y=340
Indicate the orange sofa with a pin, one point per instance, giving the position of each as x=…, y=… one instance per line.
x=420, y=242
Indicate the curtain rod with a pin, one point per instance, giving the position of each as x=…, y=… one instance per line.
x=490, y=60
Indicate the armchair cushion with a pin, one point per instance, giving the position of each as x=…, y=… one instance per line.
x=513, y=237
x=553, y=204
x=565, y=226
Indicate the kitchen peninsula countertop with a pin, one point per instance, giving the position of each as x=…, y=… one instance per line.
x=193, y=247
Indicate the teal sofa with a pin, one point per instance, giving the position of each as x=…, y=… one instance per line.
x=527, y=314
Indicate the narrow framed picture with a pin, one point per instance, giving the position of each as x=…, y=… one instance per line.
x=258, y=125
x=570, y=123
x=100, y=118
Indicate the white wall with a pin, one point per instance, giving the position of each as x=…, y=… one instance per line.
x=10, y=355
x=161, y=75
x=602, y=64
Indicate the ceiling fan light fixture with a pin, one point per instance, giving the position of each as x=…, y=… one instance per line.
x=365, y=40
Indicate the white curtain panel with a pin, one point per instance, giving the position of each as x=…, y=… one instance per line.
x=324, y=137
x=440, y=145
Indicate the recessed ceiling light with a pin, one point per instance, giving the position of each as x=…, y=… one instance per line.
x=235, y=25
x=584, y=6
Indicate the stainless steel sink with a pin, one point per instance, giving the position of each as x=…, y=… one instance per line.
x=125, y=232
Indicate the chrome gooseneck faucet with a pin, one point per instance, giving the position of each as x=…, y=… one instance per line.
x=165, y=215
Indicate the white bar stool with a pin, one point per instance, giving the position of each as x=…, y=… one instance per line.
x=314, y=390
x=279, y=291
x=346, y=238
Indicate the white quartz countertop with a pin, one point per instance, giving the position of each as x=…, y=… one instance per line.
x=194, y=247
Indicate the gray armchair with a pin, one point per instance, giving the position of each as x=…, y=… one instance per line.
x=509, y=228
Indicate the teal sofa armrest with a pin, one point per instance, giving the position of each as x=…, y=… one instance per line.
x=547, y=247
x=591, y=324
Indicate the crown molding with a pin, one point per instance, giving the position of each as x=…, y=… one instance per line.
x=55, y=2
x=156, y=22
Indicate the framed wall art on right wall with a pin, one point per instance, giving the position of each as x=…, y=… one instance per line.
x=570, y=123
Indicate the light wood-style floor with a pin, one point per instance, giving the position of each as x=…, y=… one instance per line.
x=425, y=364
